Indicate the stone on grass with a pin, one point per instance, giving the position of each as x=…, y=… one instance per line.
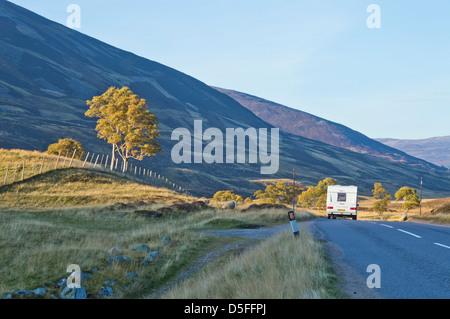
x=152, y=255
x=22, y=292
x=119, y=260
x=142, y=247
x=73, y=293
x=39, y=291
x=114, y=251
x=105, y=292
x=132, y=275
x=230, y=205
x=110, y=283
x=61, y=283
x=166, y=240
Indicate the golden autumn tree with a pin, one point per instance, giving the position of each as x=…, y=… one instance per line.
x=126, y=123
x=382, y=198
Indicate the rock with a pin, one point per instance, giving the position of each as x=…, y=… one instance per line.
x=73, y=293
x=132, y=275
x=110, y=283
x=119, y=260
x=166, y=240
x=145, y=262
x=61, y=283
x=114, y=251
x=85, y=276
x=142, y=247
x=23, y=292
x=39, y=291
x=230, y=205
x=152, y=255
x=105, y=292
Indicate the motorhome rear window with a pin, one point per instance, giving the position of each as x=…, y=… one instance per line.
x=342, y=197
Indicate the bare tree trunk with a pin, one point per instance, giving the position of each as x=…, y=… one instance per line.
x=113, y=157
x=125, y=161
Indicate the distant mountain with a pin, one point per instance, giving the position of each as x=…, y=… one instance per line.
x=48, y=71
x=313, y=127
x=435, y=150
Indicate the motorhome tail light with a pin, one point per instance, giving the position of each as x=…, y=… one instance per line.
x=330, y=207
x=352, y=208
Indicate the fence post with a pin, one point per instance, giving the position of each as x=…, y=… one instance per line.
x=15, y=171
x=23, y=168
x=106, y=162
x=87, y=155
x=71, y=160
x=34, y=163
x=65, y=157
x=42, y=164
x=6, y=174
x=95, y=165
x=57, y=160
x=90, y=162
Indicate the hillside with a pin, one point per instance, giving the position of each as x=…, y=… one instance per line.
x=48, y=71
x=313, y=127
x=435, y=150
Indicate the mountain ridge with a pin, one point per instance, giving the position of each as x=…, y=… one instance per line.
x=301, y=123
x=433, y=149
x=48, y=71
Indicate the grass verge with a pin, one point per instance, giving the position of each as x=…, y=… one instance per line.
x=283, y=267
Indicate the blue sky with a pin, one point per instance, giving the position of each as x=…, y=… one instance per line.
x=316, y=56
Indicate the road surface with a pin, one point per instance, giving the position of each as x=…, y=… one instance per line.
x=413, y=258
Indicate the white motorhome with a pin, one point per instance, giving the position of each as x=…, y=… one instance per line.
x=342, y=201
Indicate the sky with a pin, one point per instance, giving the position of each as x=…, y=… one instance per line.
x=321, y=57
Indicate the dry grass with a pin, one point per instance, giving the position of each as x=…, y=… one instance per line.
x=36, y=247
x=76, y=187
x=283, y=267
x=25, y=164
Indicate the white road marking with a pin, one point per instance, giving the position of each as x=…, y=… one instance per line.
x=442, y=245
x=389, y=226
x=407, y=232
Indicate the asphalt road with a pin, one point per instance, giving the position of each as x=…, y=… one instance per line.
x=413, y=258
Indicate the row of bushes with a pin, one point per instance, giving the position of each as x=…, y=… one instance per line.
x=316, y=196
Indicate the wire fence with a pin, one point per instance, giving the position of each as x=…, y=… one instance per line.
x=14, y=170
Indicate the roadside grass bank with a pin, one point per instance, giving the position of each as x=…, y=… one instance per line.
x=36, y=247
x=282, y=267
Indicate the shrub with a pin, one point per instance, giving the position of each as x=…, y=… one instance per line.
x=65, y=147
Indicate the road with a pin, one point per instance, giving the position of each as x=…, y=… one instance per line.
x=413, y=258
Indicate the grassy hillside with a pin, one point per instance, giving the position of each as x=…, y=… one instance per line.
x=75, y=187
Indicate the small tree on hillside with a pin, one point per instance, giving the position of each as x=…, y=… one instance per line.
x=279, y=192
x=379, y=193
x=225, y=196
x=316, y=196
x=410, y=198
x=67, y=146
x=125, y=122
